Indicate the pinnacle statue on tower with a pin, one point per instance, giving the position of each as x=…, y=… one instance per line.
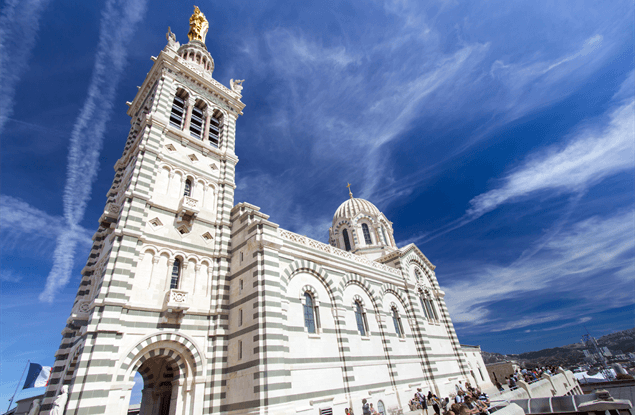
x=198, y=26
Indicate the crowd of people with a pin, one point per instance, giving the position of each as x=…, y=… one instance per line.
x=468, y=400
x=527, y=375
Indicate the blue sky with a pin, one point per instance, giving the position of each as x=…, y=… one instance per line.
x=498, y=136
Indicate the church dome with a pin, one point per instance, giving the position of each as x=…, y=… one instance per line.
x=359, y=227
x=353, y=207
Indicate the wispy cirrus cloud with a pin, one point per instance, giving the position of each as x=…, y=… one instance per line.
x=594, y=154
x=23, y=227
x=19, y=25
x=597, y=149
x=345, y=102
x=117, y=27
x=343, y=110
x=568, y=264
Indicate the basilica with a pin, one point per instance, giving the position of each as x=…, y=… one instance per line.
x=221, y=311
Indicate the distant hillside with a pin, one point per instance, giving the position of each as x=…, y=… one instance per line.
x=569, y=355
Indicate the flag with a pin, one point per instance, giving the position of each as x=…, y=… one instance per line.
x=38, y=376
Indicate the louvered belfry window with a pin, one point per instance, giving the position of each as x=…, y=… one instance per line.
x=178, y=110
x=215, y=128
x=196, y=123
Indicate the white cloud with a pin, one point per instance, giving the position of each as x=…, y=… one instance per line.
x=332, y=102
x=26, y=227
x=587, y=159
x=8, y=275
x=571, y=263
x=118, y=24
x=19, y=24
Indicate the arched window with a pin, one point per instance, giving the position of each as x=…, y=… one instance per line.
x=381, y=409
x=187, y=191
x=396, y=319
x=215, y=128
x=196, y=121
x=366, y=234
x=423, y=307
x=434, y=310
x=429, y=310
x=178, y=109
x=360, y=318
x=347, y=242
x=311, y=316
x=176, y=273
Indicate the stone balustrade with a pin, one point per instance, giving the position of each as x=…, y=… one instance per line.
x=312, y=243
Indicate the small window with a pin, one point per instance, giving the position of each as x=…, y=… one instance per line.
x=240, y=349
x=381, y=409
x=240, y=317
x=240, y=285
x=187, y=191
x=366, y=234
x=242, y=257
x=326, y=411
x=396, y=319
x=428, y=309
x=423, y=307
x=360, y=318
x=434, y=310
x=310, y=313
x=347, y=242
x=176, y=273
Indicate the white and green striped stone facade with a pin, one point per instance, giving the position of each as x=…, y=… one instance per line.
x=228, y=333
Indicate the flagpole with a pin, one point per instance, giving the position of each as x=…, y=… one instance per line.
x=16, y=388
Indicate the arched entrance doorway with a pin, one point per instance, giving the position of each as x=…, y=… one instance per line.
x=159, y=394
x=171, y=369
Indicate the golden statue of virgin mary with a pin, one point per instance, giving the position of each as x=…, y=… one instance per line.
x=198, y=26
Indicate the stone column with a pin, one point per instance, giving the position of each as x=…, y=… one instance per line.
x=155, y=261
x=210, y=276
x=188, y=115
x=170, y=177
x=198, y=396
x=184, y=266
x=197, y=269
x=208, y=116
x=147, y=401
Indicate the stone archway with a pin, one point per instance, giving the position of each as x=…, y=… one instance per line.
x=160, y=386
x=170, y=364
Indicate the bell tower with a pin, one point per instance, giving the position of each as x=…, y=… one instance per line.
x=153, y=297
